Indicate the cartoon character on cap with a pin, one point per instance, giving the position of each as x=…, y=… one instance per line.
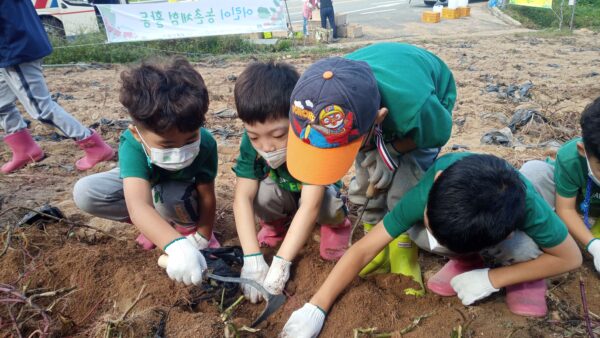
x=335, y=125
x=331, y=117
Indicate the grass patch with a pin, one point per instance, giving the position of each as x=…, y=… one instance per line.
x=587, y=15
x=92, y=48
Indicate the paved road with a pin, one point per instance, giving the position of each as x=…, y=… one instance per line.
x=374, y=13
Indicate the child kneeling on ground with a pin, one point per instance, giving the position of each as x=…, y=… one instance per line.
x=286, y=208
x=164, y=184
x=467, y=207
x=574, y=180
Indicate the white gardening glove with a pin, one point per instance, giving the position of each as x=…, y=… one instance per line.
x=186, y=264
x=198, y=240
x=379, y=174
x=255, y=268
x=594, y=249
x=305, y=322
x=473, y=285
x=278, y=275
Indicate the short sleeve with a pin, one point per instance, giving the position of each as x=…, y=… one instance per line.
x=207, y=170
x=248, y=164
x=133, y=162
x=542, y=224
x=565, y=178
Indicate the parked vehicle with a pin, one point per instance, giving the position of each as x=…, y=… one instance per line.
x=67, y=17
x=64, y=18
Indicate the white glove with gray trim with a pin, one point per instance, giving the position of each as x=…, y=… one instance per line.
x=198, y=240
x=255, y=268
x=594, y=249
x=186, y=264
x=278, y=275
x=305, y=322
x=473, y=285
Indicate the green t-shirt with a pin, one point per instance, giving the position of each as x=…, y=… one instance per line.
x=571, y=176
x=133, y=162
x=251, y=165
x=418, y=89
x=541, y=223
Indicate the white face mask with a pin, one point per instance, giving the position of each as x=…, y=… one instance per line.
x=172, y=159
x=591, y=175
x=433, y=243
x=274, y=158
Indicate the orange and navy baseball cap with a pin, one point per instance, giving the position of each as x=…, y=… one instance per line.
x=332, y=110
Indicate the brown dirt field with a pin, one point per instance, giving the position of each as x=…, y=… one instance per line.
x=109, y=273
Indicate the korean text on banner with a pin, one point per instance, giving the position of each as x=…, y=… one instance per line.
x=533, y=3
x=159, y=21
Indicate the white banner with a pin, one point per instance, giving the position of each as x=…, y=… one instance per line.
x=160, y=21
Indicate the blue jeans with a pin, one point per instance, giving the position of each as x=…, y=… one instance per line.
x=327, y=13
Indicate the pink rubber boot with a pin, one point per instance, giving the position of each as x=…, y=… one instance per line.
x=272, y=233
x=527, y=299
x=440, y=282
x=334, y=240
x=96, y=150
x=24, y=150
x=144, y=242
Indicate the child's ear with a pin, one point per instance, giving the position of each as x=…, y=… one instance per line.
x=381, y=114
x=581, y=149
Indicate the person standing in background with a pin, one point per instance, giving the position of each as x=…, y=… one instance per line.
x=307, y=9
x=327, y=12
x=23, y=44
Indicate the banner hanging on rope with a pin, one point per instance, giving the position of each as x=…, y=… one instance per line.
x=160, y=21
x=533, y=3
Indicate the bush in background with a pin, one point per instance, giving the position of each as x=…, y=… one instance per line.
x=92, y=48
x=587, y=15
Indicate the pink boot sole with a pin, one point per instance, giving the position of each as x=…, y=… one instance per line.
x=440, y=282
x=334, y=240
x=527, y=299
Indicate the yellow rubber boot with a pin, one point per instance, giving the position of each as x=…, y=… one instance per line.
x=596, y=228
x=379, y=264
x=404, y=260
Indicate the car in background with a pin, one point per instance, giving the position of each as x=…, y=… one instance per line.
x=431, y=3
x=65, y=18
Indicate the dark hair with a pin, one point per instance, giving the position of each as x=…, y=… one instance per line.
x=160, y=96
x=476, y=203
x=590, y=128
x=262, y=92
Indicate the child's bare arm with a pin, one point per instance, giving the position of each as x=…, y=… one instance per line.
x=359, y=254
x=554, y=261
x=207, y=204
x=243, y=211
x=566, y=208
x=303, y=222
x=138, y=198
x=308, y=320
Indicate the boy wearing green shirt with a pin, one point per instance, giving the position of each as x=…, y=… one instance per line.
x=571, y=184
x=164, y=184
x=465, y=205
x=417, y=92
x=286, y=208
